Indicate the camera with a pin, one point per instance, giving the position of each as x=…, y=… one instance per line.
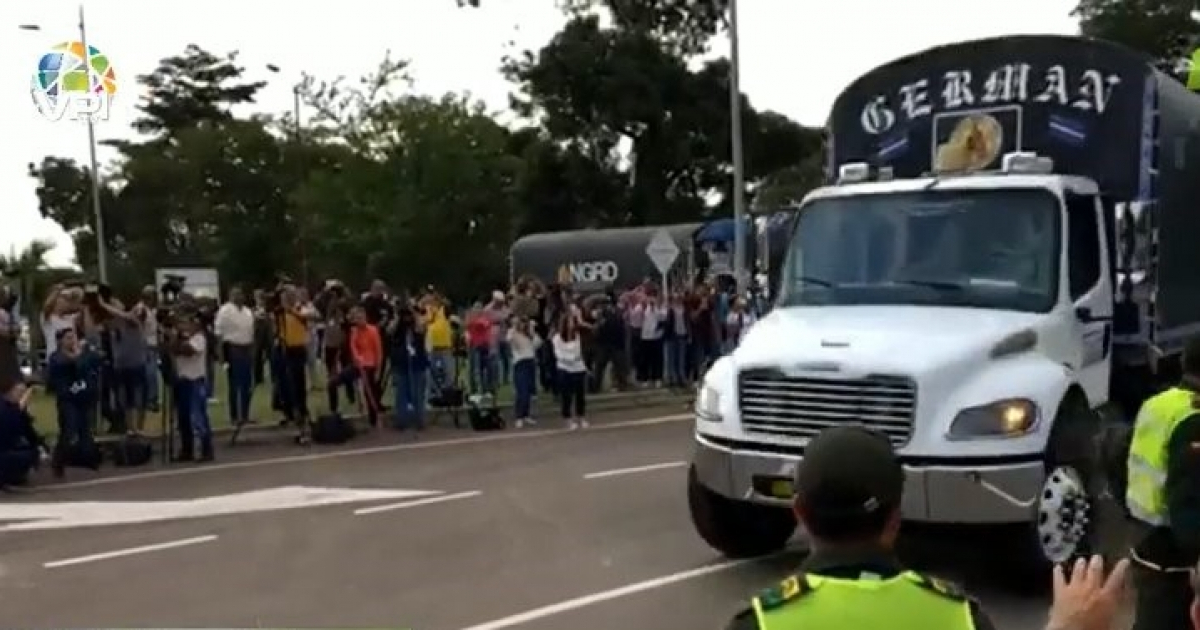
x=169, y=292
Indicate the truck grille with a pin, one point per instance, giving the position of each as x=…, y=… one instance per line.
x=800, y=407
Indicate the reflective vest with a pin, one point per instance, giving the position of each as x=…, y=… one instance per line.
x=1156, y=421
x=909, y=601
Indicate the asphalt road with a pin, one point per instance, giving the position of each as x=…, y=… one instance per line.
x=524, y=535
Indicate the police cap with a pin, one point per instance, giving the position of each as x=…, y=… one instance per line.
x=849, y=472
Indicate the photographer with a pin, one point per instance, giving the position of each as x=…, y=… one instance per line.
x=189, y=350
x=410, y=364
x=128, y=355
x=72, y=376
x=60, y=311
x=291, y=335
x=335, y=353
x=21, y=447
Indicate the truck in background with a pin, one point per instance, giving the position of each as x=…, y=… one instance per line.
x=593, y=261
x=1003, y=254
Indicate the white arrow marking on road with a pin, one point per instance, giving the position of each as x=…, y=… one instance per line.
x=407, y=504
x=40, y=516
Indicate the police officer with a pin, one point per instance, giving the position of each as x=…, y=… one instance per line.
x=848, y=491
x=1163, y=499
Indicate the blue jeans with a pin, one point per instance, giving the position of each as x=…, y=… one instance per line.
x=524, y=374
x=152, y=378
x=410, y=398
x=74, y=426
x=241, y=382
x=504, y=361
x=483, y=371
x=677, y=361
x=191, y=400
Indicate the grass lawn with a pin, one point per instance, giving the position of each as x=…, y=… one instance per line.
x=42, y=407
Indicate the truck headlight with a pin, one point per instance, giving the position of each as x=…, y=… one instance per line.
x=1011, y=417
x=708, y=404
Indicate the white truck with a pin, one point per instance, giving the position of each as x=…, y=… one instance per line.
x=1006, y=250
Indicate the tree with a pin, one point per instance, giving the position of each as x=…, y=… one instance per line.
x=597, y=88
x=27, y=266
x=167, y=196
x=1164, y=29
x=192, y=87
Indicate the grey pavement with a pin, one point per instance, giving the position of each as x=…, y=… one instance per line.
x=540, y=546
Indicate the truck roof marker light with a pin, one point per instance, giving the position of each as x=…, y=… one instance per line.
x=854, y=172
x=1026, y=162
x=1016, y=343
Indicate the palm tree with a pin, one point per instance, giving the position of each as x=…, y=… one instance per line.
x=23, y=268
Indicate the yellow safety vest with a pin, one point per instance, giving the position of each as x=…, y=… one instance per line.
x=909, y=601
x=1156, y=421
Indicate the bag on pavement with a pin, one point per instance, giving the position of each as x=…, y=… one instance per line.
x=332, y=428
x=132, y=450
x=484, y=414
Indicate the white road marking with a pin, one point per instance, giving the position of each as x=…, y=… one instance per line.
x=371, y=450
x=69, y=514
x=604, y=474
x=604, y=596
x=406, y=504
x=131, y=551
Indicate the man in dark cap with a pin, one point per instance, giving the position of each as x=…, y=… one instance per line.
x=848, y=491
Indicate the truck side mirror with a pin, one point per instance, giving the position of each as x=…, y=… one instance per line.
x=1083, y=314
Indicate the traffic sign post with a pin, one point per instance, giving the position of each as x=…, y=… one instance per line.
x=663, y=252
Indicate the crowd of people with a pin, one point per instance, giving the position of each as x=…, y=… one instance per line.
x=111, y=363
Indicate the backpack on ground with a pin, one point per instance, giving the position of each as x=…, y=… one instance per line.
x=132, y=450
x=332, y=428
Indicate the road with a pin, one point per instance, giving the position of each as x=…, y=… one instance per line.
x=541, y=530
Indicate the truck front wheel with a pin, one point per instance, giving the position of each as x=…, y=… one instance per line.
x=1067, y=521
x=738, y=529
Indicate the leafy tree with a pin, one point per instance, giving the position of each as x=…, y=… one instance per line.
x=1163, y=29
x=598, y=88
x=192, y=87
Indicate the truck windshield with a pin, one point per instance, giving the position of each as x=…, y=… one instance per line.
x=986, y=248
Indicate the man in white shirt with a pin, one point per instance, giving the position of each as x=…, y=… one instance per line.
x=189, y=351
x=234, y=327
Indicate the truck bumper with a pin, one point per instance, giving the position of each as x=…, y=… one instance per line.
x=949, y=493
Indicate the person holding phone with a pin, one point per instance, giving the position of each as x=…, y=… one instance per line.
x=572, y=371
x=524, y=343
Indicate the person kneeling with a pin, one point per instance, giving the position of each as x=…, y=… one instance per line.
x=21, y=448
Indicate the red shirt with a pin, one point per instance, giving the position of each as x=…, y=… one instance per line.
x=366, y=347
x=479, y=331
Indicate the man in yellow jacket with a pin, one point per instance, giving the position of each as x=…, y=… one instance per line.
x=1163, y=499
x=848, y=491
x=438, y=335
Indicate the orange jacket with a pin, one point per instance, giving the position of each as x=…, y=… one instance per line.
x=366, y=346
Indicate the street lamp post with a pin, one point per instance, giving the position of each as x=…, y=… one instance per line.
x=296, y=131
x=739, y=158
x=93, y=164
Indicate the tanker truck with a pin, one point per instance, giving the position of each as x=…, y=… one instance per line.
x=1002, y=257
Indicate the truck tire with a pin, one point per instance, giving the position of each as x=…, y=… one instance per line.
x=1065, y=524
x=737, y=529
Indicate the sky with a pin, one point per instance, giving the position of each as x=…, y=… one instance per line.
x=796, y=55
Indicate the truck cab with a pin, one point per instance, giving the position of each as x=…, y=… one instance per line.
x=967, y=318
